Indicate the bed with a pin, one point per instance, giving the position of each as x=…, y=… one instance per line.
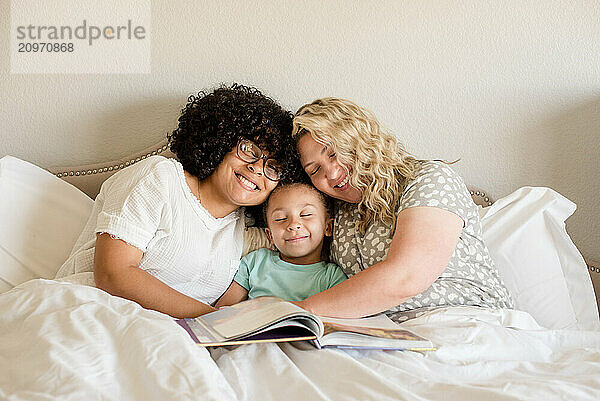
x=65, y=340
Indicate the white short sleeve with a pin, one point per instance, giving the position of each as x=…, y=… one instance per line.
x=150, y=206
x=133, y=205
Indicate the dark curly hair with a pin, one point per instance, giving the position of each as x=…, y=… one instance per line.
x=211, y=124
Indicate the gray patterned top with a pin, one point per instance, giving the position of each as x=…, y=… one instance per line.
x=471, y=278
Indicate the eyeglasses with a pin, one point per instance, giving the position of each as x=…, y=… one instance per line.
x=249, y=152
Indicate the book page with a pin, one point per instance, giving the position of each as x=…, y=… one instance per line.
x=373, y=332
x=378, y=322
x=202, y=334
x=359, y=341
x=332, y=329
x=249, y=316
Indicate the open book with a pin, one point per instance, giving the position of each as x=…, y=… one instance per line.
x=271, y=319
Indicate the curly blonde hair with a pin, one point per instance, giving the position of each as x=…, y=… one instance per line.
x=380, y=164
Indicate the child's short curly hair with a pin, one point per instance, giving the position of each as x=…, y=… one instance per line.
x=211, y=124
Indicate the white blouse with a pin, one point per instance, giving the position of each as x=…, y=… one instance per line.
x=150, y=206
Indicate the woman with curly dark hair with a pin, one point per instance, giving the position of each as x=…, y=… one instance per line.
x=168, y=234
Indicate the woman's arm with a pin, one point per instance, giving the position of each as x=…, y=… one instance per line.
x=234, y=294
x=422, y=245
x=116, y=271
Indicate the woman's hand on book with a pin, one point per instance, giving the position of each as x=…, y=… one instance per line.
x=302, y=304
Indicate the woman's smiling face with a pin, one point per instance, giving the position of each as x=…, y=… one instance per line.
x=327, y=175
x=241, y=183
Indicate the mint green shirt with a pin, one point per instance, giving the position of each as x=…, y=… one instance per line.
x=263, y=273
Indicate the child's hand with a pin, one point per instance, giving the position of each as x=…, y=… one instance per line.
x=234, y=294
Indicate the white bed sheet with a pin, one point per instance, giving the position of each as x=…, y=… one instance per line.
x=66, y=341
x=479, y=359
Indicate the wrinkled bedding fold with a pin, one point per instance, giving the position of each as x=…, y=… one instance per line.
x=61, y=340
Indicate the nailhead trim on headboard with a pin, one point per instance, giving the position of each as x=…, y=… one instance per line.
x=111, y=168
x=483, y=195
x=594, y=270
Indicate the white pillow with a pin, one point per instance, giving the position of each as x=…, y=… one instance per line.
x=41, y=217
x=526, y=235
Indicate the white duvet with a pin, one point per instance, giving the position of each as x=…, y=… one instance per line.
x=73, y=342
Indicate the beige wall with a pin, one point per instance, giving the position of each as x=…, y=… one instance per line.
x=511, y=87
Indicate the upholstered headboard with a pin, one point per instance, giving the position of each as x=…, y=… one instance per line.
x=90, y=177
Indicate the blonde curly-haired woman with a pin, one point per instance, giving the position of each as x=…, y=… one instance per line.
x=406, y=231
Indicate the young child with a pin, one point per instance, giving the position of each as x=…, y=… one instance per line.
x=298, y=219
